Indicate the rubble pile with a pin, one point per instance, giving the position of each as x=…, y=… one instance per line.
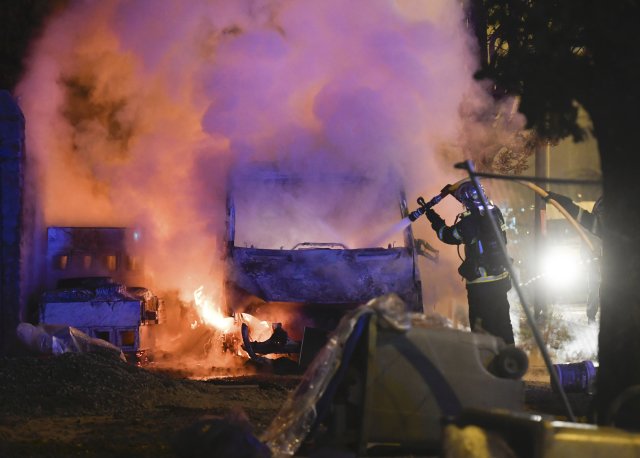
x=78, y=383
x=99, y=384
x=94, y=404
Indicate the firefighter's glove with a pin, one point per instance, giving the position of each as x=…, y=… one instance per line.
x=565, y=201
x=562, y=200
x=436, y=221
x=446, y=190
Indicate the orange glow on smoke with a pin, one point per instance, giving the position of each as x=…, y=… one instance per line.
x=138, y=115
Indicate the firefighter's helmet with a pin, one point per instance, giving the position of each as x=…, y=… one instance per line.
x=468, y=195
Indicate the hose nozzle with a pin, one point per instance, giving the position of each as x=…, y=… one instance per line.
x=414, y=215
x=424, y=206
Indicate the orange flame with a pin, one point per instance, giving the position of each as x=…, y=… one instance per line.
x=210, y=313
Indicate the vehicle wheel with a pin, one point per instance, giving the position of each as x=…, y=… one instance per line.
x=511, y=362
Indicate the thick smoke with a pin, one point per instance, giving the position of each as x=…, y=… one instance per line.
x=138, y=112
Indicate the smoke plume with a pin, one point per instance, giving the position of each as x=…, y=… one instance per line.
x=138, y=112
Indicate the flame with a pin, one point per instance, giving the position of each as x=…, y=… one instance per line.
x=211, y=313
x=260, y=330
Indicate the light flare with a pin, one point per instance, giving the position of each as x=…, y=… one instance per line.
x=562, y=267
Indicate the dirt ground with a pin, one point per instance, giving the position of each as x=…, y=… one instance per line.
x=77, y=405
x=92, y=405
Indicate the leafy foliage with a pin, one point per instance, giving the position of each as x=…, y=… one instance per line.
x=540, y=51
x=557, y=56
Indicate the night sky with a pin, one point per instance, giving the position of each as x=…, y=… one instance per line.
x=22, y=20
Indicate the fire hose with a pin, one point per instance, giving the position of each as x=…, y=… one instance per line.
x=449, y=189
x=542, y=193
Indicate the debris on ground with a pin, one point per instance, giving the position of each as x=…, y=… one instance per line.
x=91, y=404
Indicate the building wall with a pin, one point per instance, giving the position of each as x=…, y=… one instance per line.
x=74, y=252
x=12, y=157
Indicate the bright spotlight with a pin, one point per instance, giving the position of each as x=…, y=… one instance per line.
x=561, y=267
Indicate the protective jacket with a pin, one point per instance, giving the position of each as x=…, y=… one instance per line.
x=483, y=258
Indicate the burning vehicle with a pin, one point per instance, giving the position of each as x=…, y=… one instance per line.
x=87, y=275
x=106, y=310
x=297, y=257
x=302, y=246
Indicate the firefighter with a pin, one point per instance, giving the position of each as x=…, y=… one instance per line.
x=483, y=269
x=591, y=221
